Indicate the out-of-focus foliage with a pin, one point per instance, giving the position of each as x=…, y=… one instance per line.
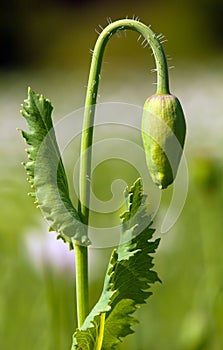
x=56, y=33
x=186, y=309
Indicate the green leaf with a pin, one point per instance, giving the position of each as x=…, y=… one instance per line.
x=46, y=172
x=127, y=281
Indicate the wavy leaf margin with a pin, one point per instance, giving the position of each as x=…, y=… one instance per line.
x=127, y=281
x=46, y=173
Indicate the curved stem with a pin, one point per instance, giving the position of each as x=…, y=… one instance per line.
x=92, y=90
x=90, y=104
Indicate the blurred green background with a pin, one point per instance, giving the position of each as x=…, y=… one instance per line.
x=45, y=45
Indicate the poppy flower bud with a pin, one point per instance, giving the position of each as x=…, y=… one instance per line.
x=163, y=134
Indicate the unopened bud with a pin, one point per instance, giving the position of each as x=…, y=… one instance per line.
x=163, y=133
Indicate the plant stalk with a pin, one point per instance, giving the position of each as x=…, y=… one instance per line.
x=87, y=136
x=81, y=260
x=99, y=343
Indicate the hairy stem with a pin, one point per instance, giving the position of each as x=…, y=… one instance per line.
x=88, y=125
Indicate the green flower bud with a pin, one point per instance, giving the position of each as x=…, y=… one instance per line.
x=163, y=134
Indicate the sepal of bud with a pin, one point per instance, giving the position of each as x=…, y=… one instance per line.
x=163, y=134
